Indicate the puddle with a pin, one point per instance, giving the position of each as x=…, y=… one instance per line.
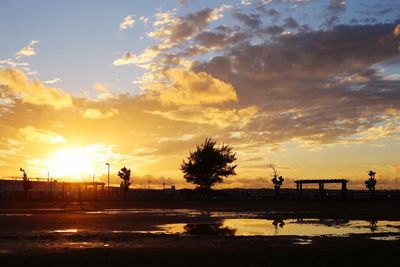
x=63, y=231
x=161, y=212
x=302, y=241
x=386, y=238
x=194, y=222
x=290, y=227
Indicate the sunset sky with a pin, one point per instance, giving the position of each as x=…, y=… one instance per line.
x=311, y=86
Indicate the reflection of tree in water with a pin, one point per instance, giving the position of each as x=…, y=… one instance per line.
x=373, y=225
x=278, y=223
x=216, y=229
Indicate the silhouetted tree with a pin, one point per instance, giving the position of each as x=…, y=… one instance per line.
x=25, y=183
x=125, y=175
x=371, y=182
x=277, y=181
x=208, y=164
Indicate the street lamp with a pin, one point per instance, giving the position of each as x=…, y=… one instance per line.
x=108, y=179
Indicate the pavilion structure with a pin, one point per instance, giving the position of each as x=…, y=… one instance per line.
x=321, y=183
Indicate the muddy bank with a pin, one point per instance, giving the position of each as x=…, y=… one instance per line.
x=156, y=250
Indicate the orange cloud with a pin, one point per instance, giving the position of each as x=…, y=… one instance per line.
x=33, y=91
x=191, y=88
x=40, y=136
x=396, y=31
x=212, y=116
x=95, y=114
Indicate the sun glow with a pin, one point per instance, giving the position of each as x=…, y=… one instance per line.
x=74, y=162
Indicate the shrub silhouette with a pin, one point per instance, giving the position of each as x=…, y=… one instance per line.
x=208, y=164
x=370, y=183
x=277, y=181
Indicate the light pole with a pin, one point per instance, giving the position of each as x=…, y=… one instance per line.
x=108, y=176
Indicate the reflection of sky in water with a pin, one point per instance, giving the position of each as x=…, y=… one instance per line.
x=305, y=227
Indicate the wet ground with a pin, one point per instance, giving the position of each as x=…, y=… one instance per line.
x=31, y=233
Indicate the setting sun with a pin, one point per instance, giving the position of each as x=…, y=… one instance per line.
x=73, y=162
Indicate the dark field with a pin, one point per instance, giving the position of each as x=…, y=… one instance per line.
x=130, y=234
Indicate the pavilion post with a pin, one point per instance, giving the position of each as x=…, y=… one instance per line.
x=344, y=188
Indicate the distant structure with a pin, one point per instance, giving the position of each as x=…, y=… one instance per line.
x=41, y=188
x=321, y=183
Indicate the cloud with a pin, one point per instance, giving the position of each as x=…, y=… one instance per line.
x=28, y=50
x=144, y=19
x=129, y=59
x=40, y=136
x=128, y=22
x=337, y=6
x=212, y=40
x=192, y=88
x=95, y=114
x=55, y=80
x=101, y=88
x=250, y=20
x=126, y=59
x=223, y=118
x=396, y=31
x=291, y=23
x=33, y=91
x=173, y=30
x=316, y=86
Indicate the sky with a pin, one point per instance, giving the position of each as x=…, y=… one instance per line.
x=312, y=87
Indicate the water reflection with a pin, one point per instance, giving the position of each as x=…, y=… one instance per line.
x=385, y=238
x=278, y=223
x=279, y=227
x=373, y=225
x=215, y=229
x=323, y=221
x=309, y=227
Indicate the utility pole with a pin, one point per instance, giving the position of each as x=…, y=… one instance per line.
x=108, y=176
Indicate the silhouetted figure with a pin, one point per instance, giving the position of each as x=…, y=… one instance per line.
x=25, y=183
x=277, y=181
x=125, y=175
x=371, y=182
x=208, y=164
x=215, y=229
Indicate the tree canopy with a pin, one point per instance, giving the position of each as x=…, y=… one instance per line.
x=371, y=182
x=209, y=164
x=125, y=175
x=276, y=180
